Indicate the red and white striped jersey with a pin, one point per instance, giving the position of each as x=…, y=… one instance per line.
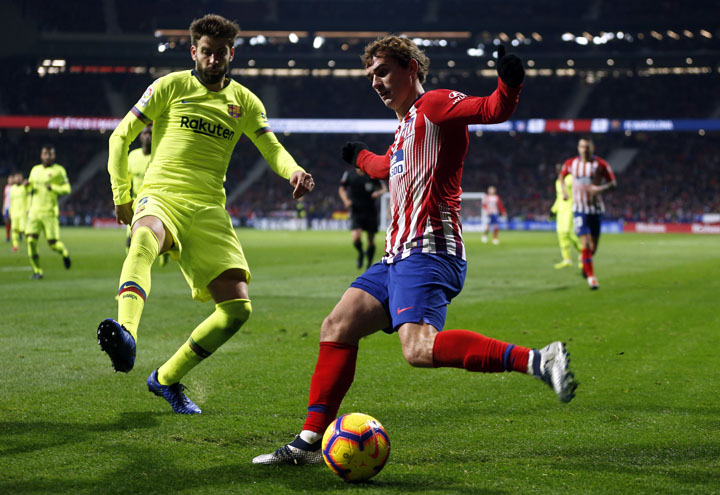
x=493, y=205
x=424, y=167
x=584, y=174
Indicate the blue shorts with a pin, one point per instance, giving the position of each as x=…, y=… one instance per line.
x=416, y=289
x=587, y=223
x=494, y=219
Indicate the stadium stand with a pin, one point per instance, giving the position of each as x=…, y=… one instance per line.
x=619, y=62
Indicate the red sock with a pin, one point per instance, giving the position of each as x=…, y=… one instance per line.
x=475, y=352
x=7, y=230
x=587, y=262
x=334, y=373
x=495, y=233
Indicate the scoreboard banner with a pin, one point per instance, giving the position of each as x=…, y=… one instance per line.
x=388, y=126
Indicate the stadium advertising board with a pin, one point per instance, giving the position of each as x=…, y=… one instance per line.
x=388, y=126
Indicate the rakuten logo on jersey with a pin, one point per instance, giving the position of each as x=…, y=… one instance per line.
x=456, y=96
x=397, y=163
x=201, y=126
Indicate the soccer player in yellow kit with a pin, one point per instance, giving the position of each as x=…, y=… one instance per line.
x=562, y=209
x=46, y=182
x=18, y=210
x=198, y=117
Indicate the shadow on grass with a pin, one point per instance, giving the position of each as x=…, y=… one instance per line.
x=694, y=465
x=138, y=468
x=18, y=437
x=143, y=474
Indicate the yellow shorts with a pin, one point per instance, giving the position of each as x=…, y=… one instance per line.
x=17, y=222
x=205, y=244
x=47, y=224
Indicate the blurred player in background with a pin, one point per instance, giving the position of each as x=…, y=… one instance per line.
x=424, y=264
x=138, y=161
x=6, y=207
x=46, y=182
x=198, y=117
x=562, y=210
x=18, y=209
x=360, y=194
x=591, y=177
x=493, y=207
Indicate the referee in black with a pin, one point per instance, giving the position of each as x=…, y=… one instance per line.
x=359, y=193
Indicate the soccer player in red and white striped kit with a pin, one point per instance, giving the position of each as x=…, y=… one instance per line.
x=591, y=176
x=493, y=207
x=424, y=264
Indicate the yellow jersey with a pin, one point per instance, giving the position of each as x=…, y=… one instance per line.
x=43, y=200
x=194, y=133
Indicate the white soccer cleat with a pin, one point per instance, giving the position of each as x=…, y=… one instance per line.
x=484, y=239
x=495, y=241
x=289, y=454
x=554, y=369
x=593, y=283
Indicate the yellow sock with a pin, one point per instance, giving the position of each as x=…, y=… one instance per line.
x=207, y=337
x=564, y=239
x=32, y=244
x=60, y=248
x=135, y=278
x=14, y=237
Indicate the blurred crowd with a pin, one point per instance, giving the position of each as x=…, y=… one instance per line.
x=673, y=177
x=618, y=94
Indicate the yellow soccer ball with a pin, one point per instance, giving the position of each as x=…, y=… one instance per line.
x=355, y=446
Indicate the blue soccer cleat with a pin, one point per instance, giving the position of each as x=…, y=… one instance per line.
x=117, y=342
x=173, y=394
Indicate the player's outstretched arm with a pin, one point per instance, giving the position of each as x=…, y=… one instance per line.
x=351, y=150
x=118, y=144
x=357, y=154
x=302, y=182
x=510, y=68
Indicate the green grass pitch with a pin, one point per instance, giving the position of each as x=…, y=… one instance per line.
x=644, y=347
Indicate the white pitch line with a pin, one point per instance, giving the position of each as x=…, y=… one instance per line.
x=15, y=268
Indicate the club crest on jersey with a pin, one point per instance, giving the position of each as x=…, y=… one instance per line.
x=408, y=128
x=146, y=96
x=235, y=111
x=141, y=204
x=397, y=163
x=456, y=96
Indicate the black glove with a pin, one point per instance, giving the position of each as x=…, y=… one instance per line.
x=351, y=150
x=509, y=68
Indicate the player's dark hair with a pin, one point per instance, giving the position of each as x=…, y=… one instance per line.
x=401, y=49
x=47, y=146
x=586, y=138
x=214, y=26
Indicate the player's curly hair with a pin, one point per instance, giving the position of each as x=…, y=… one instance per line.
x=401, y=49
x=214, y=26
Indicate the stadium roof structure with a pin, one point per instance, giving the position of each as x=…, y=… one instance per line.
x=320, y=33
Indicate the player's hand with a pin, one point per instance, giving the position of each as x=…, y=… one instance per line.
x=509, y=68
x=351, y=150
x=302, y=182
x=124, y=213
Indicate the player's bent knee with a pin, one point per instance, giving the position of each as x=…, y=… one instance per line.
x=335, y=329
x=417, y=344
x=236, y=313
x=416, y=356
